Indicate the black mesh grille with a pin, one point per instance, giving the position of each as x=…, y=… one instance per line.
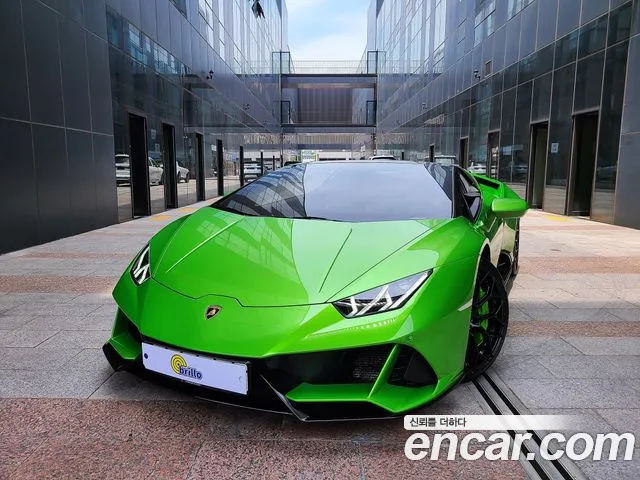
x=366, y=363
x=355, y=365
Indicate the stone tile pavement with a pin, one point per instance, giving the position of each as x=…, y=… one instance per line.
x=574, y=344
x=573, y=347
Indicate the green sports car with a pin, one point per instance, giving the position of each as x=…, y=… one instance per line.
x=330, y=290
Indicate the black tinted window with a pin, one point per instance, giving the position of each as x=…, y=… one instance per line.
x=471, y=193
x=349, y=191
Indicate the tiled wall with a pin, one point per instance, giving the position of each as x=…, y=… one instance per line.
x=56, y=154
x=72, y=71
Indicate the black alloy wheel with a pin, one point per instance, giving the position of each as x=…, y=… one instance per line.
x=489, y=321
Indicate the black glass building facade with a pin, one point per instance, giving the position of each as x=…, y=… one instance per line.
x=110, y=109
x=539, y=93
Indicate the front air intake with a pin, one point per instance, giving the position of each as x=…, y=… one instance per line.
x=366, y=363
x=411, y=370
x=353, y=365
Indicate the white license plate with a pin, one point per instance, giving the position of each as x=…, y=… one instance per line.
x=210, y=372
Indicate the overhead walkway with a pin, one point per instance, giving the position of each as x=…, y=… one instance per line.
x=330, y=105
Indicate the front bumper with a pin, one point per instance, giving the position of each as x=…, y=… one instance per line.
x=305, y=360
x=375, y=374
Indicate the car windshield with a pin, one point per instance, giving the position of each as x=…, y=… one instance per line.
x=348, y=192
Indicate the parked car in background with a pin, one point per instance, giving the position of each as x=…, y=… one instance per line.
x=252, y=170
x=520, y=173
x=182, y=173
x=445, y=159
x=123, y=170
x=480, y=168
x=156, y=172
x=606, y=176
x=383, y=157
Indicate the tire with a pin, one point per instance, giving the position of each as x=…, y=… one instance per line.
x=489, y=321
x=161, y=181
x=186, y=177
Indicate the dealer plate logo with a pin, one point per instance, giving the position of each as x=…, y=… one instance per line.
x=179, y=365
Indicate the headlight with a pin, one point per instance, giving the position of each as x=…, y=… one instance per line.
x=140, y=269
x=381, y=299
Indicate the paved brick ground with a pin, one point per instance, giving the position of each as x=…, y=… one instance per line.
x=574, y=347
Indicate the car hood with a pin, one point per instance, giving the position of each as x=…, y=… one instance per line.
x=268, y=261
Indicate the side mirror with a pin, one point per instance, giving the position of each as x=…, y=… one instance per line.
x=509, y=207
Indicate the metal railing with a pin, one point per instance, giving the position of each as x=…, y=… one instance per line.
x=281, y=62
x=328, y=67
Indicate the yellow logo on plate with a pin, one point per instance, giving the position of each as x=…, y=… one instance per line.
x=177, y=362
x=179, y=365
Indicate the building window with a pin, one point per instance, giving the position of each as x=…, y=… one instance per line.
x=114, y=29
x=515, y=6
x=484, y=21
x=181, y=6
x=133, y=42
x=438, y=60
x=439, y=23
x=461, y=30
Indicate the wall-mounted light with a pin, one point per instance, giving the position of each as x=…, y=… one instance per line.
x=209, y=75
x=476, y=73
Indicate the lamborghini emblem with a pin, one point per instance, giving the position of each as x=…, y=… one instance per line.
x=212, y=311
